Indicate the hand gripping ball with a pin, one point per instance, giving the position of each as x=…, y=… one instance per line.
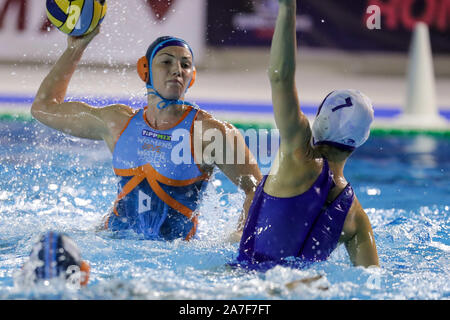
x=76, y=17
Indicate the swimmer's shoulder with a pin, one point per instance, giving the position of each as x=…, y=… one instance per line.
x=210, y=122
x=203, y=115
x=355, y=220
x=118, y=111
x=116, y=117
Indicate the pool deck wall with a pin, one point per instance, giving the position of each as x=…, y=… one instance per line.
x=233, y=85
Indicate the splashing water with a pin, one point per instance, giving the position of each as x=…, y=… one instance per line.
x=53, y=181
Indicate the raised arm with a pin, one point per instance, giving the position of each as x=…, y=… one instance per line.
x=75, y=118
x=294, y=127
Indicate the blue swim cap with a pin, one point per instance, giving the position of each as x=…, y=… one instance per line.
x=158, y=45
x=56, y=254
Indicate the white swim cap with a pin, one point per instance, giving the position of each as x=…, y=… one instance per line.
x=343, y=120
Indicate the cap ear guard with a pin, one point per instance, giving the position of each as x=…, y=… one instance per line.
x=142, y=69
x=194, y=75
x=85, y=269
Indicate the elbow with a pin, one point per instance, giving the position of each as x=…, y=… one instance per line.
x=36, y=108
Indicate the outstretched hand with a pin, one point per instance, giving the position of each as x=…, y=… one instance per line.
x=82, y=42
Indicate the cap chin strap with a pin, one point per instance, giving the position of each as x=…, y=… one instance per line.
x=167, y=102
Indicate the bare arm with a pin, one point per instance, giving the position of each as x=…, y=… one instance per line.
x=361, y=246
x=235, y=160
x=75, y=118
x=292, y=123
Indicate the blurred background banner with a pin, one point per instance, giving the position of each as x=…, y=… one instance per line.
x=128, y=29
x=332, y=24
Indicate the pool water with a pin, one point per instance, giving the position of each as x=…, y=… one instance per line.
x=51, y=181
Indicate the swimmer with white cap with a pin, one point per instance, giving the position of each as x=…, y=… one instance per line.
x=305, y=207
x=158, y=196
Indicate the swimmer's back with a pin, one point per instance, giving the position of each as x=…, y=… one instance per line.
x=297, y=175
x=293, y=172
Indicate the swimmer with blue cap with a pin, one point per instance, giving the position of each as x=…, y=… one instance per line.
x=159, y=191
x=305, y=207
x=56, y=255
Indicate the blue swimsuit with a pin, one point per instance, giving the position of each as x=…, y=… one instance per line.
x=158, y=194
x=304, y=226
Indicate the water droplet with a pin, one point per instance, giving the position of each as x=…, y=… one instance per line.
x=53, y=186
